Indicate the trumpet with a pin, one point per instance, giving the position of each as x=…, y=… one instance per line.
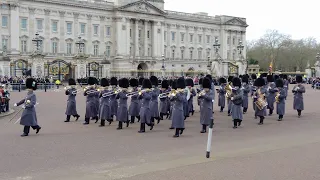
x=203, y=92
x=277, y=97
x=111, y=93
x=133, y=93
x=175, y=92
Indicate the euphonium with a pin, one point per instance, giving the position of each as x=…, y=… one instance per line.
x=260, y=103
x=201, y=93
x=228, y=89
x=277, y=97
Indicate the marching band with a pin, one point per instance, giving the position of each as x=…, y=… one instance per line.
x=173, y=100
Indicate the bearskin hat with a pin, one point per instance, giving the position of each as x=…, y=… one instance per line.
x=91, y=81
x=200, y=81
x=209, y=77
x=154, y=81
x=174, y=84
x=245, y=78
x=181, y=83
x=279, y=83
x=275, y=77
x=189, y=82
x=230, y=78
x=134, y=82
x=119, y=82
x=241, y=76
x=104, y=82
x=165, y=84
x=206, y=83
x=253, y=76
x=264, y=75
x=125, y=82
x=72, y=82
x=31, y=84
x=236, y=82
x=113, y=81
x=270, y=78
x=140, y=81
x=222, y=80
x=285, y=76
x=146, y=84
x=259, y=82
x=281, y=76
x=299, y=79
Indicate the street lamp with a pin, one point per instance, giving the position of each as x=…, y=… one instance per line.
x=216, y=45
x=163, y=67
x=80, y=45
x=38, y=42
x=240, y=48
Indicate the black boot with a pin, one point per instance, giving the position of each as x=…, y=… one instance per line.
x=235, y=124
x=142, y=128
x=168, y=115
x=26, y=130
x=280, y=117
x=161, y=117
x=299, y=113
x=119, y=125
x=138, y=117
x=110, y=121
x=128, y=122
x=86, y=121
x=68, y=118
x=204, y=129
x=229, y=112
x=151, y=125
x=221, y=109
x=132, y=119
x=239, y=122
x=96, y=118
x=38, y=128
x=270, y=112
x=181, y=130
x=171, y=127
x=158, y=119
x=261, y=120
x=103, y=123
x=245, y=110
x=177, y=134
x=192, y=112
x=77, y=117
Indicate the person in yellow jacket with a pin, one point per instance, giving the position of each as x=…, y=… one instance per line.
x=58, y=83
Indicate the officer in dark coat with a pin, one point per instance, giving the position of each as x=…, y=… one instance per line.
x=237, y=100
x=229, y=98
x=260, y=95
x=113, y=100
x=71, y=92
x=281, y=97
x=122, y=112
x=29, y=116
x=145, y=115
x=222, y=93
x=206, y=97
x=245, y=90
x=104, y=107
x=271, y=93
x=178, y=98
x=298, y=91
x=154, y=106
x=91, y=94
x=164, y=101
x=134, y=107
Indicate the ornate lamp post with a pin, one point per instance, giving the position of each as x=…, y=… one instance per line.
x=80, y=59
x=37, y=64
x=240, y=48
x=163, y=68
x=216, y=46
x=80, y=45
x=38, y=42
x=209, y=66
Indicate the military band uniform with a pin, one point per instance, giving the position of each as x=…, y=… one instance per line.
x=298, y=91
x=90, y=93
x=206, y=97
x=271, y=94
x=177, y=109
x=190, y=101
x=154, y=107
x=261, y=113
x=237, y=100
x=222, y=94
x=164, y=101
x=174, y=87
x=245, y=92
x=113, y=100
x=104, y=106
x=71, y=109
x=134, y=107
x=281, y=105
x=228, y=98
x=145, y=114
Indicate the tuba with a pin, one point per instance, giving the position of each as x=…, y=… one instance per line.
x=260, y=103
x=228, y=89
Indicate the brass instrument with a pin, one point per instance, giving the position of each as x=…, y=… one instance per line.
x=175, y=92
x=133, y=93
x=111, y=93
x=163, y=95
x=228, y=89
x=140, y=92
x=277, y=97
x=260, y=103
x=202, y=93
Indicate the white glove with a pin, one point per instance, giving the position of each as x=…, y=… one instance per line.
x=212, y=100
x=231, y=98
x=15, y=105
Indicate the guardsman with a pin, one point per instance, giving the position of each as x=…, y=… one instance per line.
x=105, y=108
x=140, y=86
x=154, y=108
x=164, y=101
x=173, y=87
x=237, y=101
x=71, y=92
x=222, y=93
x=280, y=99
x=206, y=96
x=286, y=83
x=122, y=112
x=97, y=104
x=91, y=93
x=212, y=89
x=29, y=116
x=259, y=100
x=245, y=90
x=271, y=93
x=199, y=90
x=145, y=114
x=253, y=89
x=113, y=100
x=229, y=98
x=134, y=107
x=178, y=98
x=298, y=91
x=193, y=93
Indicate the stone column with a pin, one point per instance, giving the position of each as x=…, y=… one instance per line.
x=89, y=44
x=47, y=31
x=146, y=22
x=162, y=39
x=31, y=29
x=81, y=68
x=119, y=36
x=62, y=32
x=128, y=36
x=136, y=38
x=102, y=47
x=76, y=26
x=14, y=29
x=106, y=70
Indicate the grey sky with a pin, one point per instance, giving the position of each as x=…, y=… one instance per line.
x=297, y=18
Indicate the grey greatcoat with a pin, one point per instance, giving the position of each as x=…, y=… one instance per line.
x=245, y=91
x=164, y=103
x=29, y=116
x=199, y=100
x=91, y=108
x=154, y=108
x=105, y=109
x=263, y=111
x=97, y=103
x=190, y=101
x=271, y=94
x=230, y=104
x=298, y=97
x=122, y=112
x=113, y=103
x=206, y=114
x=185, y=105
x=177, y=115
x=71, y=102
x=222, y=96
x=145, y=115
x=134, y=107
x=253, y=92
x=281, y=105
x=286, y=85
x=237, y=100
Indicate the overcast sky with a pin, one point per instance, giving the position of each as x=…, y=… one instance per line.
x=300, y=19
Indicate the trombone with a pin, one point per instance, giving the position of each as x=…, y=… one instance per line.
x=104, y=95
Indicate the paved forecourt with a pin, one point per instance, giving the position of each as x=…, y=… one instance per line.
x=70, y=151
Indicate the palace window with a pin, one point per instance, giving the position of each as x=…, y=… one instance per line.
x=191, y=38
x=95, y=50
x=95, y=29
x=130, y=51
x=24, y=23
x=165, y=51
x=234, y=41
x=199, y=54
x=4, y=43
x=191, y=54
x=55, y=26
x=182, y=54
x=182, y=37
x=234, y=54
x=173, y=36
x=82, y=28
x=69, y=27
x=108, y=31
x=39, y=24
x=69, y=48
x=108, y=51
x=228, y=40
x=23, y=46
x=54, y=47
x=208, y=53
x=4, y=21
x=200, y=38
x=208, y=39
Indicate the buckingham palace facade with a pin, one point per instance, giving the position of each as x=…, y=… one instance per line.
x=73, y=38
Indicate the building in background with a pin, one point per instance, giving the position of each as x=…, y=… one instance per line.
x=122, y=38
